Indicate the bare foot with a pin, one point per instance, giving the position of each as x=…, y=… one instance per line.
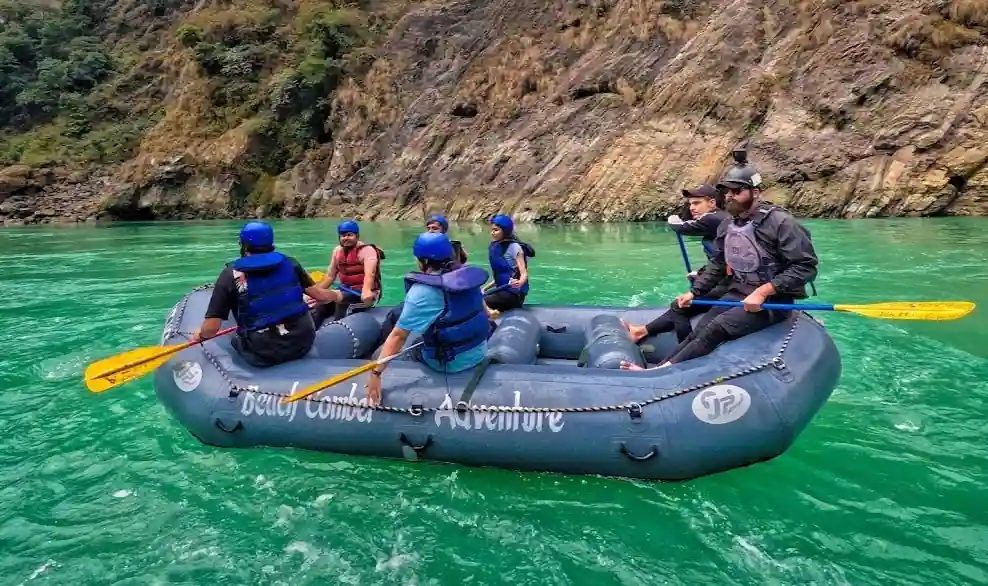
x=636, y=332
x=625, y=365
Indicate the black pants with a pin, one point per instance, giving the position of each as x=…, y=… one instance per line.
x=722, y=324
x=389, y=321
x=336, y=311
x=504, y=300
x=276, y=344
x=678, y=318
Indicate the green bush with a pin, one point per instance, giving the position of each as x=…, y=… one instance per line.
x=44, y=55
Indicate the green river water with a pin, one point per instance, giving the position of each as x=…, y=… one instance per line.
x=886, y=485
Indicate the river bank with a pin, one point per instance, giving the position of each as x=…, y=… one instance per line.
x=49, y=195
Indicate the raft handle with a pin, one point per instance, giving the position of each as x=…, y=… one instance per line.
x=635, y=410
x=654, y=452
x=779, y=363
x=223, y=427
x=404, y=440
x=416, y=410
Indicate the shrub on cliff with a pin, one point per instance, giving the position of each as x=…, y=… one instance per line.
x=48, y=64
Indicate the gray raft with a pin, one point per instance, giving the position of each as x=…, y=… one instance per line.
x=552, y=398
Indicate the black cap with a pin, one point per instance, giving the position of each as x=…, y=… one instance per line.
x=704, y=190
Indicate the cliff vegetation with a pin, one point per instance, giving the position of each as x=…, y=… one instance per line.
x=573, y=110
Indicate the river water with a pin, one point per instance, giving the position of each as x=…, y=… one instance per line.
x=886, y=485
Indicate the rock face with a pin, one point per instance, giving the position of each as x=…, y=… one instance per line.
x=587, y=110
x=45, y=195
x=604, y=109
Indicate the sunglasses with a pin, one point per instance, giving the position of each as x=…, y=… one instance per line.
x=736, y=190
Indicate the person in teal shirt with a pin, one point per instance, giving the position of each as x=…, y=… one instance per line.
x=444, y=303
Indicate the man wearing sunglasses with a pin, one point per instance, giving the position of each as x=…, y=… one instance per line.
x=772, y=260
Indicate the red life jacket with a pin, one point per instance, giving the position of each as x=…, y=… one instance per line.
x=351, y=270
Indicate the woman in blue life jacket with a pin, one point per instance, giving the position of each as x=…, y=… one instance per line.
x=706, y=206
x=263, y=290
x=443, y=303
x=509, y=265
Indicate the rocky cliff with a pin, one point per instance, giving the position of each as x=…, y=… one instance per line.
x=574, y=110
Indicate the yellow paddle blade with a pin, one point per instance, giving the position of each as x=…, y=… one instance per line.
x=125, y=367
x=311, y=389
x=914, y=310
x=317, y=275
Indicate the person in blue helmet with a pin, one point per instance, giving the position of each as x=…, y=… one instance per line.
x=509, y=265
x=358, y=267
x=263, y=289
x=443, y=303
x=437, y=223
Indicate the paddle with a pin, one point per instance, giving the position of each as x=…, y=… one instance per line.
x=114, y=371
x=913, y=310
x=496, y=289
x=344, y=376
x=682, y=249
x=319, y=276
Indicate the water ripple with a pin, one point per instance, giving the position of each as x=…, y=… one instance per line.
x=884, y=487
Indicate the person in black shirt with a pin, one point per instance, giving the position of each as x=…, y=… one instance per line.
x=771, y=259
x=263, y=290
x=706, y=206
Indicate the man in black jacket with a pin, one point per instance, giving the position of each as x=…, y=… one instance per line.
x=772, y=260
x=706, y=208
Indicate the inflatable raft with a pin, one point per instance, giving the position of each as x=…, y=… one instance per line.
x=552, y=397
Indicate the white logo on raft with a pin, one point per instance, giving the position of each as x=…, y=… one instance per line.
x=328, y=408
x=187, y=375
x=721, y=404
x=500, y=420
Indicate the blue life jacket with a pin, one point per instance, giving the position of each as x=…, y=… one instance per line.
x=463, y=323
x=503, y=272
x=273, y=293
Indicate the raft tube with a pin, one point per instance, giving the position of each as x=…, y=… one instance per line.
x=551, y=399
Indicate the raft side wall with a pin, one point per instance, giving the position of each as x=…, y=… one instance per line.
x=731, y=423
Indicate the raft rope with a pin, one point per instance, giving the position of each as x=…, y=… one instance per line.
x=633, y=407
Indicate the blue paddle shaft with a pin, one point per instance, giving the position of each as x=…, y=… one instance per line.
x=682, y=249
x=350, y=291
x=782, y=306
x=346, y=289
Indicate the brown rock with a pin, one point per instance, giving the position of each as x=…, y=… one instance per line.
x=571, y=110
x=855, y=108
x=14, y=179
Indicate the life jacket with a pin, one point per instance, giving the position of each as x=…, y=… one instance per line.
x=750, y=264
x=502, y=269
x=708, y=239
x=351, y=269
x=272, y=293
x=463, y=323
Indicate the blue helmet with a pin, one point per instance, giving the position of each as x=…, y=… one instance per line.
x=433, y=246
x=441, y=220
x=504, y=223
x=257, y=235
x=348, y=226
